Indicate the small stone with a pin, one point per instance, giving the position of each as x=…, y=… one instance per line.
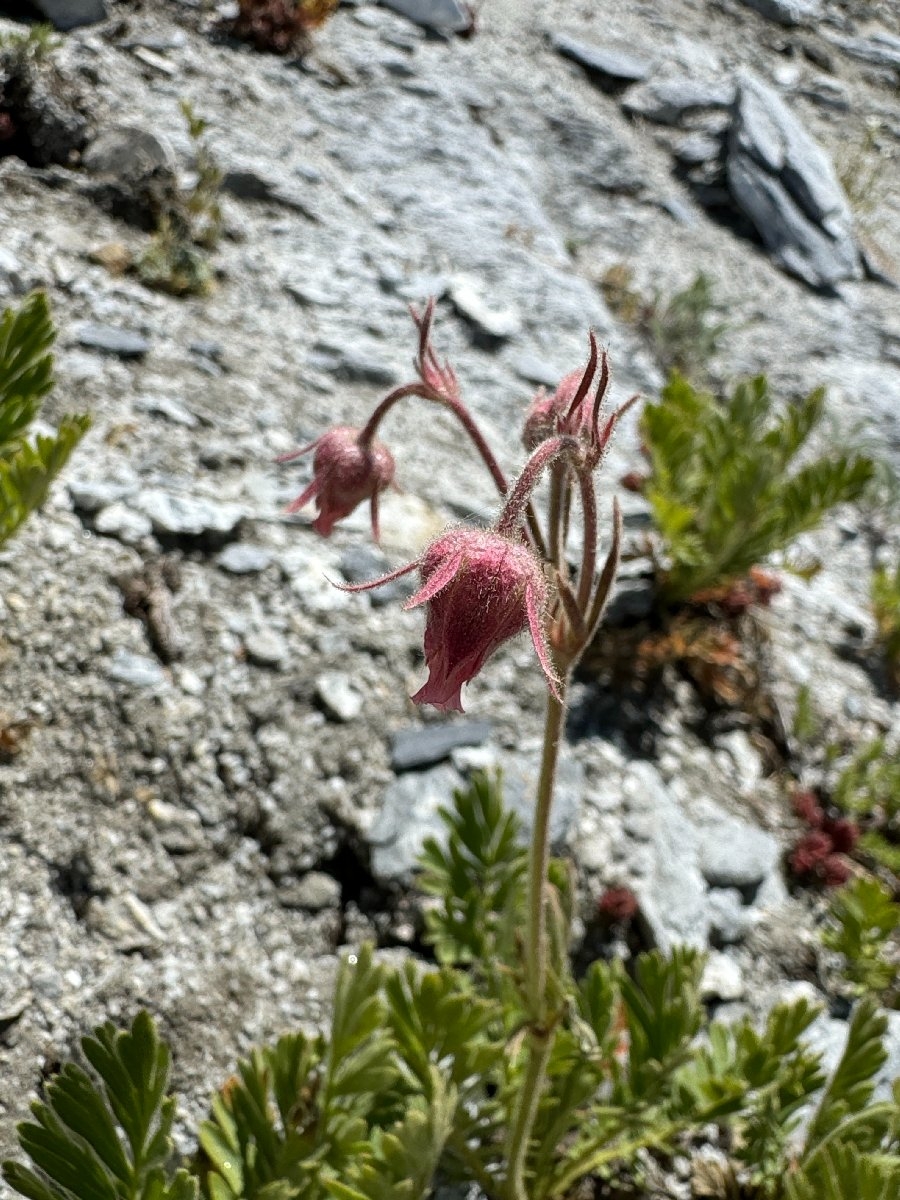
x=166, y=406
x=123, y=523
x=11, y=278
x=243, y=558
x=445, y=16
x=313, y=892
x=670, y=101
x=490, y=326
x=191, y=517
x=787, y=12
x=137, y=670
x=731, y=852
x=612, y=68
x=409, y=814
x=90, y=495
x=729, y=919
x=415, y=748
x=722, y=978
x=338, y=696
x=266, y=648
x=129, y=151
x=70, y=14
x=109, y=339
x=534, y=369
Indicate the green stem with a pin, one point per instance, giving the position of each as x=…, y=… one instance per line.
x=540, y=1035
x=539, y=1048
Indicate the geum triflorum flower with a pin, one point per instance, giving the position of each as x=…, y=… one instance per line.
x=347, y=469
x=481, y=588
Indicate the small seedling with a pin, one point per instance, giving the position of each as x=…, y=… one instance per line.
x=176, y=259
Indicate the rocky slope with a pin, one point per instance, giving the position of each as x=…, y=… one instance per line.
x=209, y=802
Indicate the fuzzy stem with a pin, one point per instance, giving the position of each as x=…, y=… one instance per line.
x=539, y=1049
x=540, y=1035
x=465, y=418
x=520, y=496
x=591, y=533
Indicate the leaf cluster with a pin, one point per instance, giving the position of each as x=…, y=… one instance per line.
x=869, y=789
x=28, y=465
x=421, y=1072
x=104, y=1133
x=724, y=485
x=864, y=928
x=681, y=328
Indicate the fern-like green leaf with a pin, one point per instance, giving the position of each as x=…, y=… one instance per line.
x=107, y=1137
x=853, y=1080
x=476, y=877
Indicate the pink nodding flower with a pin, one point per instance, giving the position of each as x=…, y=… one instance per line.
x=481, y=588
x=345, y=473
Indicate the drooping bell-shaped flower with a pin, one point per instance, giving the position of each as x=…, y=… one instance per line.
x=346, y=471
x=481, y=588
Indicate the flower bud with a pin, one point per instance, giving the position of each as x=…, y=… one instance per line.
x=345, y=473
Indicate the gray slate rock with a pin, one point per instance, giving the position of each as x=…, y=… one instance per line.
x=490, y=325
x=670, y=101
x=787, y=12
x=672, y=893
x=90, y=495
x=445, y=16
x=785, y=184
x=266, y=648
x=129, y=151
x=109, y=339
x=880, y=50
x=731, y=852
x=243, y=558
x=338, y=696
x=121, y=522
x=70, y=14
x=409, y=815
x=612, y=68
x=137, y=670
x=415, y=748
x=191, y=517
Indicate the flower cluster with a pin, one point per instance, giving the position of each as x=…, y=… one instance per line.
x=482, y=587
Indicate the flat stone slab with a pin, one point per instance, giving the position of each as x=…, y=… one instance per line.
x=610, y=67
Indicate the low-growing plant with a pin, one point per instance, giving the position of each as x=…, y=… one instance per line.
x=724, y=484
x=28, y=462
x=177, y=259
x=496, y=1068
x=423, y=1072
x=864, y=928
x=869, y=790
x=279, y=26
x=37, y=42
x=681, y=328
x=886, y=609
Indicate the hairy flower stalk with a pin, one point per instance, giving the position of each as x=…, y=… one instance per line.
x=481, y=587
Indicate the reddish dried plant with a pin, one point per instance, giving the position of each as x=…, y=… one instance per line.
x=617, y=906
x=820, y=855
x=279, y=26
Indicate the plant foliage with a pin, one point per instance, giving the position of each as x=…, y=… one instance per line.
x=864, y=928
x=105, y=1134
x=28, y=465
x=419, y=1076
x=869, y=789
x=886, y=609
x=724, y=486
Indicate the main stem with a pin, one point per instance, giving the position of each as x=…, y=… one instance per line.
x=540, y=1033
